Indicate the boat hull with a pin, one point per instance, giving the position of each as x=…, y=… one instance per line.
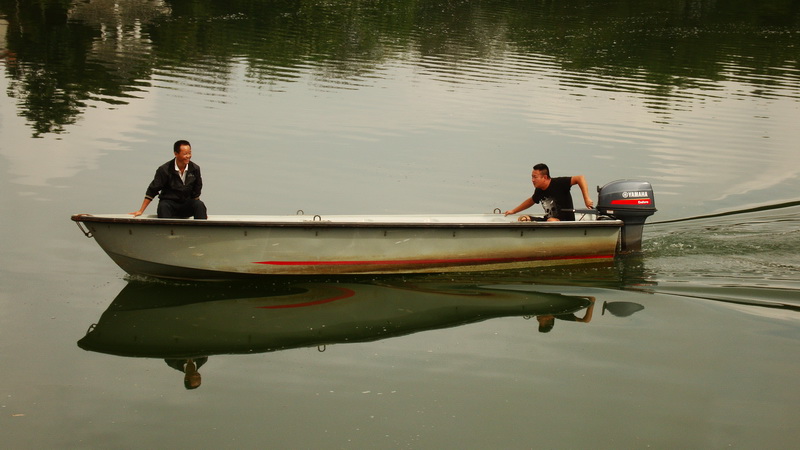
x=233, y=247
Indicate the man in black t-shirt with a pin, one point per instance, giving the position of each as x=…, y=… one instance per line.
x=553, y=194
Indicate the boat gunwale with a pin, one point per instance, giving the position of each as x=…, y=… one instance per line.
x=88, y=218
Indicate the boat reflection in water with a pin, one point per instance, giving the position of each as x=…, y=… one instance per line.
x=185, y=324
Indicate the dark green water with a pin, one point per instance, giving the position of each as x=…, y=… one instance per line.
x=404, y=107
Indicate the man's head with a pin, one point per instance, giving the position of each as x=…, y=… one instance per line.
x=192, y=381
x=191, y=378
x=540, y=177
x=176, y=147
x=183, y=152
x=546, y=323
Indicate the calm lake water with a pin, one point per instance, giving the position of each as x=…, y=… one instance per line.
x=404, y=107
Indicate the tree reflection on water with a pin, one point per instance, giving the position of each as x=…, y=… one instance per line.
x=61, y=55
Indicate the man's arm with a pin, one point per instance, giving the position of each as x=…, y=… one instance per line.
x=198, y=184
x=522, y=206
x=580, y=180
x=145, y=203
x=587, y=317
x=159, y=181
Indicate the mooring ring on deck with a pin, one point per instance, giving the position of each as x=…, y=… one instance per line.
x=300, y=212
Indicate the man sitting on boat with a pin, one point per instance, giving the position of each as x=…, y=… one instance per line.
x=178, y=184
x=553, y=194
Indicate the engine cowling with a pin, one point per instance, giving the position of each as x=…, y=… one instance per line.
x=632, y=202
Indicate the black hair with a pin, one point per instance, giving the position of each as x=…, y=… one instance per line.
x=176, y=147
x=541, y=167
x=546, y=323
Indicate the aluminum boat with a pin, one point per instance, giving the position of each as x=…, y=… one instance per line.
x=227, y=247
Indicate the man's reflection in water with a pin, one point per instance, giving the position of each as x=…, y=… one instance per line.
x=547, y=321
x=190, y=367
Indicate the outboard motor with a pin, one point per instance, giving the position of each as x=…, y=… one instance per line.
x=632, y=202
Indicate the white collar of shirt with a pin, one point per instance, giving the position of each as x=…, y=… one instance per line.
x=182, y=175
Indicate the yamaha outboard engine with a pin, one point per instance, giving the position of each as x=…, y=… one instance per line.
x=632, y=202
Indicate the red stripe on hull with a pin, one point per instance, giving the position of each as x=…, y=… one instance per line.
x=411, y=262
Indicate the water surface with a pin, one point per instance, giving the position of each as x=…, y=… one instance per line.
x=405, y=107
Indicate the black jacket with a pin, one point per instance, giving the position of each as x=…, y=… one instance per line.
x=170, y=186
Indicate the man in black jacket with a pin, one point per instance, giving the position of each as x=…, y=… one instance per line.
x=178, y=184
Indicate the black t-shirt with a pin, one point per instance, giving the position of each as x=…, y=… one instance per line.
x=556, y=198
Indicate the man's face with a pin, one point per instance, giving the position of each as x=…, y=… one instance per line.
x=184, y=155
x=538, y=179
